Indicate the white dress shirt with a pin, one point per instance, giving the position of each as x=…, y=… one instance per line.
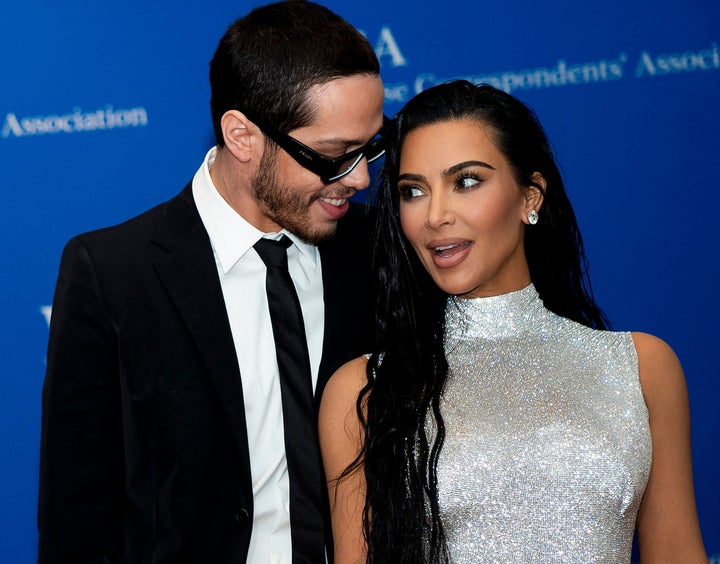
x=242, y=277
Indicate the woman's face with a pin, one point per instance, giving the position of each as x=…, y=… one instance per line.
x=462, y=209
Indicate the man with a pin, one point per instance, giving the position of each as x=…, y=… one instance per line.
x=166, y=434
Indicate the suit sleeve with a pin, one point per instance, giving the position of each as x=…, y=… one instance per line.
x=81, y=455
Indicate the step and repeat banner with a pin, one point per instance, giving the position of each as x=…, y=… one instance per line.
x=104, y=112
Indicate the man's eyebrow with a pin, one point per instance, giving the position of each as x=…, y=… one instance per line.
x=341, y=142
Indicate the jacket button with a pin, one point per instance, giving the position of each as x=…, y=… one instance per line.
x=242, y=517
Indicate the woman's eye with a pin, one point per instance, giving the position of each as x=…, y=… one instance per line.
x=467, y=182
x=409, y=192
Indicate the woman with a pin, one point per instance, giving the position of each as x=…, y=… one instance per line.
x=500, y=421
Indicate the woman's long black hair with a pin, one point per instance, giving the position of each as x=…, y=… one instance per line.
x=399, y=407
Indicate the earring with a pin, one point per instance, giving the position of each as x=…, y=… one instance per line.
x=532, y=217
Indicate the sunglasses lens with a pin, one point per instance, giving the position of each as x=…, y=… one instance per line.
x=376, y=154
x=346, y=167
x=372, y=151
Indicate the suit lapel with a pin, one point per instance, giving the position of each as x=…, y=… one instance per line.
x=332, y=330
x=345, y=271
x=189, y=274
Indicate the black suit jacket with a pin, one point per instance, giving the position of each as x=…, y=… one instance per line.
x=144, y=453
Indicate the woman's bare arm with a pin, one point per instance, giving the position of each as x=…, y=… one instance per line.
x=667, y=523
x=341, y=439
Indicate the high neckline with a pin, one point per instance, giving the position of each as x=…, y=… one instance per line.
x=493, y=316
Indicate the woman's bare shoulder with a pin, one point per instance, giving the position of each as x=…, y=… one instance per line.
x=339, y=425
x=660, y=371
x=347, y=381
x=338, y=404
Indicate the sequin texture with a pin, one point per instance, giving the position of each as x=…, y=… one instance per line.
x=547, y=449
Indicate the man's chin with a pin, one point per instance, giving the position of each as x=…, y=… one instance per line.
x=319, y=234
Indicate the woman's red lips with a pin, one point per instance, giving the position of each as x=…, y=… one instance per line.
x=447, y=249
x=448, y=253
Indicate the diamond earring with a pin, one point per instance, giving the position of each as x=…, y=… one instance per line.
x=532, y=217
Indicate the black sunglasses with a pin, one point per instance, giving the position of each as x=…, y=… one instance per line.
x=329, y=169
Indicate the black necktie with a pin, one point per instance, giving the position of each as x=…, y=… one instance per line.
x=301, y=442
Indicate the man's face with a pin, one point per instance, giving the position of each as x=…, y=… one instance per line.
x=348, y=114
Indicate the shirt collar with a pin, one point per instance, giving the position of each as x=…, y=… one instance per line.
x=230, y=234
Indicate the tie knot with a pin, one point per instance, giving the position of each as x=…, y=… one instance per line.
x=273, y=253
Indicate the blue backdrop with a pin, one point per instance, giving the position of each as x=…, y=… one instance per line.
x=104, y=112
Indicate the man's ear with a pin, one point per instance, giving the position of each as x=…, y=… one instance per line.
x=242, y=137
x=534, y=195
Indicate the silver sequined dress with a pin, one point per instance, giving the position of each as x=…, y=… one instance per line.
x=547, y=449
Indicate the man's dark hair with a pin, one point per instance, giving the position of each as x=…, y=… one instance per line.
x=266, y=62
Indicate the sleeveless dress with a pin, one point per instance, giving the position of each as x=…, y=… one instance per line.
x=547, y=449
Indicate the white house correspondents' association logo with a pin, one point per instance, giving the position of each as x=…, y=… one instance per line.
x=561, y=73
x=75, y=121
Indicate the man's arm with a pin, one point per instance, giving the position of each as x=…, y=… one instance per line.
x=81, y=460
